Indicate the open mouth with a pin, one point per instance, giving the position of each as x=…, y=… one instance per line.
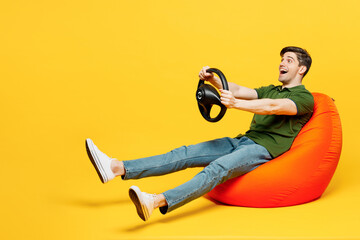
x=283, y=71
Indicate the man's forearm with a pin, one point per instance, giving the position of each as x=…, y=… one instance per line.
x=267, y=106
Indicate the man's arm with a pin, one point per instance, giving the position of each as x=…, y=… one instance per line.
x=263, y=106
x=237, y=90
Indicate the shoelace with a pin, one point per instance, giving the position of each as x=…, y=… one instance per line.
x=153, y=198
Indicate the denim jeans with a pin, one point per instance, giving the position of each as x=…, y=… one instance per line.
x=222, y=159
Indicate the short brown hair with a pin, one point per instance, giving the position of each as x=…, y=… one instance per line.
x=302, y=55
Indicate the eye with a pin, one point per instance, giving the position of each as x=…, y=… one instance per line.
x=289, y=61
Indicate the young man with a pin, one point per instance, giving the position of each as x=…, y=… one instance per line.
x=279, y=114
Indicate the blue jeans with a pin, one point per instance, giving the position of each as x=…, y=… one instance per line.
x=222, y=159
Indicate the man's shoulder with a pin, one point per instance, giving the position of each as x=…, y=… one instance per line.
x=303, y=99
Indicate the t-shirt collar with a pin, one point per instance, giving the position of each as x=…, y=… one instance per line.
x=280, y=89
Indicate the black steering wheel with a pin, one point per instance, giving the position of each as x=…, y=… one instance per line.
x=207, y=96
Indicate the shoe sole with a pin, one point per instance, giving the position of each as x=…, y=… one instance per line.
x=134, y=193
x=96, y=163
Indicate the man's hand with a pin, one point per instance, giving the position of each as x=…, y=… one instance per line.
x=203, y=75
x=227, y=98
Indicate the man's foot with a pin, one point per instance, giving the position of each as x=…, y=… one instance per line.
x=144, y=202
x=100, y=160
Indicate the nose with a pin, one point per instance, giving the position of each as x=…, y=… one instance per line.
x=282, y=63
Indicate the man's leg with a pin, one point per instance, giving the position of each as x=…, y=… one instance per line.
x=198, y=155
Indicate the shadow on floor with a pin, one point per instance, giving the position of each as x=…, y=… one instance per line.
x=91, y=203
x=171, y=218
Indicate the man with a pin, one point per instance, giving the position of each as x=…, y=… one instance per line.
x=279, y=114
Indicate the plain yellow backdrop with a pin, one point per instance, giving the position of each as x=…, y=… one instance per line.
x=124, y=73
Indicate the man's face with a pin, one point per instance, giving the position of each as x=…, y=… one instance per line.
x=289, y=67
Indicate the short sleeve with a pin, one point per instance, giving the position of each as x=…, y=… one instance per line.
x=304, y=101
x=262, y=90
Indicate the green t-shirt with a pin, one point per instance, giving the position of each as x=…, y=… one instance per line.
x=277, y=132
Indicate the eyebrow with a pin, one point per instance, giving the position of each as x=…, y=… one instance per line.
x=291, y=58
x=288, y=57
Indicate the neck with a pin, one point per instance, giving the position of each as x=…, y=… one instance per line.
x=292, y=83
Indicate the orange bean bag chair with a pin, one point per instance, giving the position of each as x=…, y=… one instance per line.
x=298, y=176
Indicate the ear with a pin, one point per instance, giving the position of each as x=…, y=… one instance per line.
x=302, y=70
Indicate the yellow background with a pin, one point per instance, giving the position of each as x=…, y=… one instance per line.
x=124, y=73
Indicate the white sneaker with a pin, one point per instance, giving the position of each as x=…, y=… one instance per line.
x=100, y=161
x=144, y=202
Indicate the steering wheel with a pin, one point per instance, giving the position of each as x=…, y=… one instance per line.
x=207, y=96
